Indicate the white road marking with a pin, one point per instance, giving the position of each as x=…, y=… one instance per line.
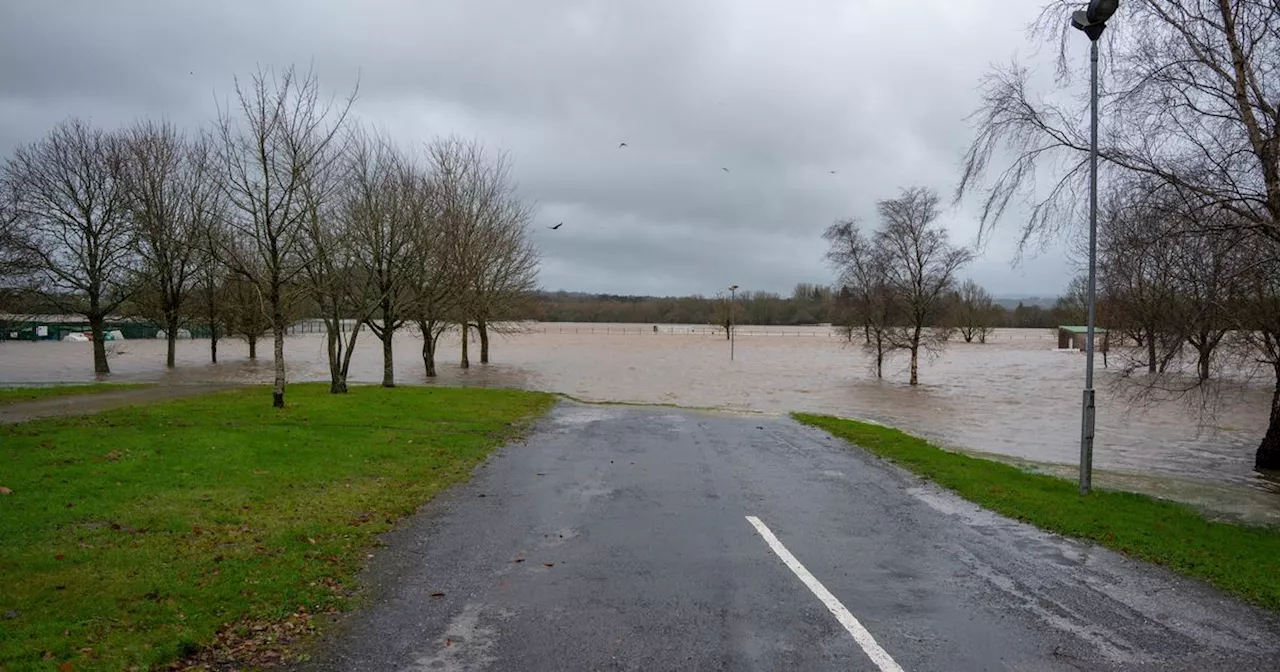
x=864, y=639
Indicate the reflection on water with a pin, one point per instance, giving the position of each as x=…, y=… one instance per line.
x=1013, y=396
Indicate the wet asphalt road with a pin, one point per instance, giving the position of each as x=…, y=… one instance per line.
x=637, y=555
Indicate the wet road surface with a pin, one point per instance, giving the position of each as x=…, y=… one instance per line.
x=626, y=538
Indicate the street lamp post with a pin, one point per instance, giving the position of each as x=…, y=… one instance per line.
x=1092, y=21
x=732, y=323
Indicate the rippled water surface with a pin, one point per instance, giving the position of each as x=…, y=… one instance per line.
x=1014, y=395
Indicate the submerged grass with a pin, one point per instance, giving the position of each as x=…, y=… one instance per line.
x=131, y=537
x=14, y=395
x=1239, y=559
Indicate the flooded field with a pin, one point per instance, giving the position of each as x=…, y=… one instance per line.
x=1014, y=396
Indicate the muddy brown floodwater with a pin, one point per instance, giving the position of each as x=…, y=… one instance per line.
x=1014, y=396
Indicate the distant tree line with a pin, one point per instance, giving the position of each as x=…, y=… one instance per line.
x=284, y=208
x=807, y=305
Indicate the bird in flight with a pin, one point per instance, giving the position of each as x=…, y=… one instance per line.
x=553, y=228
x=621, y=145
x=724, y=169
x=832, y=172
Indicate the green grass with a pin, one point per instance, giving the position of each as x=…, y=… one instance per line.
x=131, y=536
x=1238, y=559
x=13, y=395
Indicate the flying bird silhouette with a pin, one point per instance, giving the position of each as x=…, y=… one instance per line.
x=832, y=172
x=724, y=169
x=553, y=228
x=621, y=145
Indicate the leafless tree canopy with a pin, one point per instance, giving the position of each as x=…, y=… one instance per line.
x=272, y=145
x=900, y=276
x=172, y=200
x=485, y=236
x=1191, y=101
x=68, y=197
x=974, y=314
x=282, y=210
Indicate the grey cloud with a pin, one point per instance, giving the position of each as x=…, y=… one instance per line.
x=780, y=93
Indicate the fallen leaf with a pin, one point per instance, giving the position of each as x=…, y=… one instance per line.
x=113, y=456
x=311, y=541
x=448, y=642
x=518, y=560
x=58, y=556
x=482, y=494
x=65, y=666
x=437, y=594
x=548, y=564
x=5, y=491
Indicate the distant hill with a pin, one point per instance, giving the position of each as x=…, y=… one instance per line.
x=1011, y=302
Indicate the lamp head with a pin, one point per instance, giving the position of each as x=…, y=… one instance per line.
x=1093, y=20
x=1101, y=10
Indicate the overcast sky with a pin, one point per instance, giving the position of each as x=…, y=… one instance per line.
x=780, y=93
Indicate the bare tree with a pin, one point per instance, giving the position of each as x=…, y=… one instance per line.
x=245, y=311
x=921, y=266
x=974, y=312
x=205, y=208
x=18, y=264
x=68, y=197
x=338, y=198
x=486, y=241
x=1207, y=268
x=728, y=313
x=1137, y=253
x=267, y=155
x=171, y=192
x=863, y=268
x=381, y=230
x=503, y=290
x=432, y=284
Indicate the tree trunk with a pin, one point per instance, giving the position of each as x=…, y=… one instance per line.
x=278, y=325
x=1202, y=363
x=387, y=335
x=429, y=351
x=213, y=342
x=466, y=363
x=483, y=328
x=915, y=357
x=866, y=333
x=388, y=362
x=345, y=369
x=100, y=366
x=1268, y=455
x=337, y=381
x=253, y=347
x=171, y=332
x=1151, y=351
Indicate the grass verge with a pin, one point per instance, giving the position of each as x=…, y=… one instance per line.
x=143, y=535
x=1238, y=559
x=14, y=395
